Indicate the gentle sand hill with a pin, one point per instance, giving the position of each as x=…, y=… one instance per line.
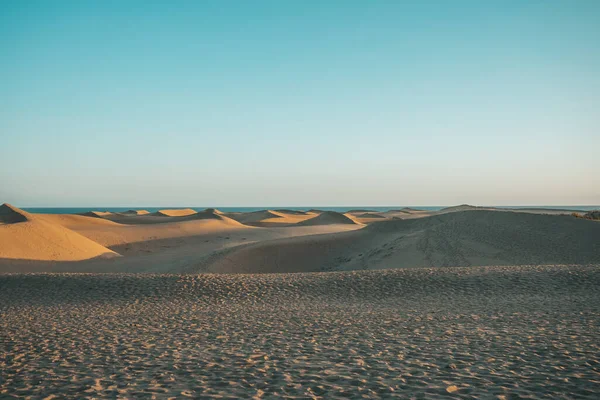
x=175, y=213
x=478, y=333
x=98, y=214
x=25, y=236
x=369, y=215
x=328, y=218
x=135, y=212
x=254, y=216
x=453, y=239
x=271, y=218
x=292, y=212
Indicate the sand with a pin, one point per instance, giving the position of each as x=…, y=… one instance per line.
x=27, y=236
x=280, y=304
x=492, y=332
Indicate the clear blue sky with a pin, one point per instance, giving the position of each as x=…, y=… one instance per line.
x=247, y=103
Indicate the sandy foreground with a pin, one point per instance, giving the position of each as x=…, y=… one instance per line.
x=478, y=332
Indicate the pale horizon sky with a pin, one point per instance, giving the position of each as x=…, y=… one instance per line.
x=332, y=103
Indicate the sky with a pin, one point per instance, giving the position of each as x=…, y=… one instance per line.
x=292, y=103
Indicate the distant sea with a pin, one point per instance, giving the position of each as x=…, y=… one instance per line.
x=78, y=210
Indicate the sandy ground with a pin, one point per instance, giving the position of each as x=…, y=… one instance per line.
x=493, y=332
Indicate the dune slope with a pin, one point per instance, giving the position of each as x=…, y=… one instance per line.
x=454, y=239
x=28, y=237
x=328, y=218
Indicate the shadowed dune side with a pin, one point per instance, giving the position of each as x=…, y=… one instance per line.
x=470, y=238
x=24, y=236
x=12, y=215
x=369, y=215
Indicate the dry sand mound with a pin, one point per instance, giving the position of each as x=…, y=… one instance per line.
x=214, y=211
x=328, y=218
x=470, y=238
x=28, y=237
x=135, y=212
x=370, y=215
x=255, y=216
x=292, y=212
x=175, y=213
x=98, y=214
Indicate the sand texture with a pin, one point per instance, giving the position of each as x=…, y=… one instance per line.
x=493, y=332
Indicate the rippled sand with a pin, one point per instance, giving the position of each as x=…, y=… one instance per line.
x=493, y=332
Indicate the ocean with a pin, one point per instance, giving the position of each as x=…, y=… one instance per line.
x=78, y=210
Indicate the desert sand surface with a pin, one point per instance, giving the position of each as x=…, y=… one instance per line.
x=268, y=241
x=465, y=302
x=478, y=332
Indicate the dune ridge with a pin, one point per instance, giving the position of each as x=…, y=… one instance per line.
x=175, y=212
x=328, y=218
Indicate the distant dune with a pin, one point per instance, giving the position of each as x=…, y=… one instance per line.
x=135, y=212
x=175, y=213
x=255, y=216
x=98, y=214
x=328, y=218
x=454, y=239
x=369, y=215
x=25, y=236
x=293, y=212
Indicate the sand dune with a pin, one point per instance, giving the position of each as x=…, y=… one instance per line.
x=175, y=213
x=135, y=212
x=292, y=212
x=328, y=218
x=25, y=236
x=369, y=215
x=271, y=218
x=452, y=239
x=98, y=214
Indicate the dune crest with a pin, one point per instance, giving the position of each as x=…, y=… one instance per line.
x=176, y=213
x=329, y=218
x=135, y=212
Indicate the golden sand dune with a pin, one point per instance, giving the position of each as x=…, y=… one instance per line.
x=175, y=213
x=98, y=214
x=453, y=239
x=27, y=237
x=482, y=333
x=328, y=218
